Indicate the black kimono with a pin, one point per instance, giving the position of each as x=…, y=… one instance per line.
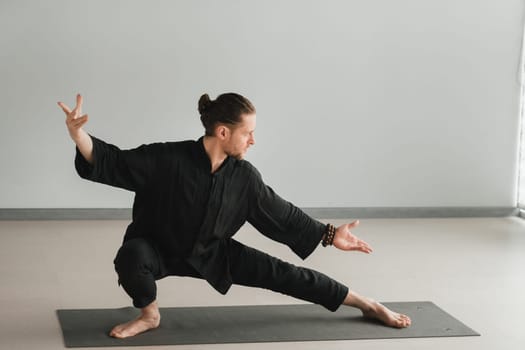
x=191, y=214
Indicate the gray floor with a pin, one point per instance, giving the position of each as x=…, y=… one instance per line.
x=473, y=268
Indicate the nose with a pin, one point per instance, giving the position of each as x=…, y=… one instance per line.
x=252, y=140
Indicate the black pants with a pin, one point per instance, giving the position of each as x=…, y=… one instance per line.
x=139, y=265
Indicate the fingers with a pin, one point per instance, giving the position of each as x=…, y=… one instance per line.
x=353, y=245
x=64, y=108
x=77, y=122
x=82, y=120
x=78, y=107
x=366, y=247
x=366, y=250
x=362, y=246
x=353, y=224
x=76, y=112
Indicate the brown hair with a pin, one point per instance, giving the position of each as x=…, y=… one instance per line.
x=227, y=109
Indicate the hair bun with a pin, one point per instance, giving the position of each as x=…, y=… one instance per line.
x=204, y=103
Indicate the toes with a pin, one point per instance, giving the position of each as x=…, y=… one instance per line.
x=405, y=320
x=400, y=320
x=116, y=332
x=389, y=317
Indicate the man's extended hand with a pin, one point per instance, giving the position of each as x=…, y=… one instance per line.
x=345, y=240
x=74, y=118
x=75, y=121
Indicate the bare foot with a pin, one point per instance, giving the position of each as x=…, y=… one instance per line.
x=375, y=310
x=149, y=319
x=388, y=317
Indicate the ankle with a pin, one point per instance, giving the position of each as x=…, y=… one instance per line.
x=355, y=300
x=150, y=316
x=151, y=311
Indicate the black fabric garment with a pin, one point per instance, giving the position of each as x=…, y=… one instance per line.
x=139, y=265
x=191, y=213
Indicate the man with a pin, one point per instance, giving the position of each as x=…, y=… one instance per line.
x=191, y=197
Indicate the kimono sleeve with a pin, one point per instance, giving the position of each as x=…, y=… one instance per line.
x=283, y=222
x=127, y=169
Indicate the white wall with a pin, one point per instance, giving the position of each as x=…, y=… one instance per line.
x=360, y=103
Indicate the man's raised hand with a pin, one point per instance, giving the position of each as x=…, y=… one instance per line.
x=345, y=240
x=74, y=121
x=74, y=118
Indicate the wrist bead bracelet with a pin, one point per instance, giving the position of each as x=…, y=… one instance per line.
x=328, y=237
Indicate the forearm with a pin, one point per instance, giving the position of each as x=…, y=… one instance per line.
x=85, y=145
x=283, y=222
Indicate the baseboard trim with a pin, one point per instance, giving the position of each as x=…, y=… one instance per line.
x=17, y=214
x=65, y=214
x=411, y=212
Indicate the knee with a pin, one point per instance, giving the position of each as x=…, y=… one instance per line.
x=135, y=254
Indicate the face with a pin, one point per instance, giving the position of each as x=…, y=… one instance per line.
x=240, y=137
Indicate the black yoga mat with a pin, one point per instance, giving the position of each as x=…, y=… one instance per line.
x=255, y=323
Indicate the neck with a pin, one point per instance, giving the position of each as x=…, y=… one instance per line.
x=214, y=152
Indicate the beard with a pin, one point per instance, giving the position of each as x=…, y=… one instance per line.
x=237, y=155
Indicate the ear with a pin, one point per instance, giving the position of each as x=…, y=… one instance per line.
x=222, y=132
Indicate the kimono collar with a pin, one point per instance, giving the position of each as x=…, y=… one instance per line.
x=203, y=158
